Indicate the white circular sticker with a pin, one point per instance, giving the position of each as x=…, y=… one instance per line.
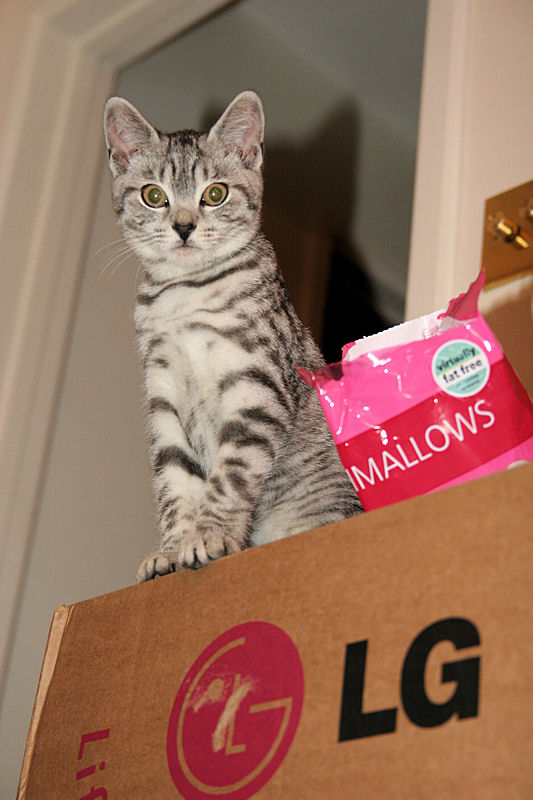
x=460, y=368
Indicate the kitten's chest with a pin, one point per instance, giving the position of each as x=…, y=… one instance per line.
x=190, y=349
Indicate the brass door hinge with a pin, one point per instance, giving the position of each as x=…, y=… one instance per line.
x=508, y=235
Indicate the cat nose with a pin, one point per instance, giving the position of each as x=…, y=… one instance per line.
x=184, y=229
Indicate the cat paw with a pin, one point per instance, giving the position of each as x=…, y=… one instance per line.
x=157, y=564
x=199, y=549
x=194, y=551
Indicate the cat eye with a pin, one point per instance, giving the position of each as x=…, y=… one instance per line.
x=154, y=196
x=215, y=194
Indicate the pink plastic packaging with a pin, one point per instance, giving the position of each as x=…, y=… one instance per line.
x=424, y=405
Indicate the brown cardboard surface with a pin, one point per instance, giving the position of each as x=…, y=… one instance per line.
x=383, y=578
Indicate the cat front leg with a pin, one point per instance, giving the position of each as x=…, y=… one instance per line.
x=208, y=520
x=179, y=480
x=247, y=447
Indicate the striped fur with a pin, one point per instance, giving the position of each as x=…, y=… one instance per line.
x=240, y=450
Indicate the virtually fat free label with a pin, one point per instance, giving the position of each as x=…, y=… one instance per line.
x=235, y=713
x=460, y=368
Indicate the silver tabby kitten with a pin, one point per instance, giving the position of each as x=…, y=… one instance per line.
x=240, y=449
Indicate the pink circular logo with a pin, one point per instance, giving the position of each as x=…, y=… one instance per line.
x=236, y=713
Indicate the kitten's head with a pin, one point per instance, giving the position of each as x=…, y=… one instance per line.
x=186, y=199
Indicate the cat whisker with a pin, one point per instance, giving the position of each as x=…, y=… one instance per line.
x=114, y=264
x=122, y=254
x=96, y=258
x=106, y=246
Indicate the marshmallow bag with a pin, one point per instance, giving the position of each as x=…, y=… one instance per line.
x=426, y=404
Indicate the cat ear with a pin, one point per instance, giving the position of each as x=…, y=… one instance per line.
x=241, y=128
x=126, y=133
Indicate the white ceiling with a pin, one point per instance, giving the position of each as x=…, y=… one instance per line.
x=372, y=49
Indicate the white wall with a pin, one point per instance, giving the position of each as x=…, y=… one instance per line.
x=95, y=521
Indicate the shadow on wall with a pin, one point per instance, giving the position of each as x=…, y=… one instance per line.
x=310, y=196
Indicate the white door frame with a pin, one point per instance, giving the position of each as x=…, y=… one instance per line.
x=59, y=59
x=474, y=141
x=433, y=256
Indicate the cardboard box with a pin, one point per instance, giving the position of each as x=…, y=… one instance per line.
x=389, y=656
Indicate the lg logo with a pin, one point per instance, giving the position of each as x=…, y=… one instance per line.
x=235, y=714
x=419, y=708
x=238, y=707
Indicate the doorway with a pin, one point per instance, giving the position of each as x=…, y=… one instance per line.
x=341, y=95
